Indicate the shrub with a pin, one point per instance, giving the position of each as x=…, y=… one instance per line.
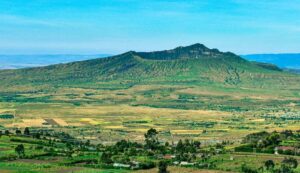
x=147, y=165
x=247, y=169
x=162, y=167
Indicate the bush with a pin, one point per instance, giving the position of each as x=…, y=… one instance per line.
x=290, y=162
x=269, y=164
x=147, y=165
x=162, y=167
x=247, y=169
x=244, y=148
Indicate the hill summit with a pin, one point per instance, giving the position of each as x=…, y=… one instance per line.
x=194, y=64
x=194, y=51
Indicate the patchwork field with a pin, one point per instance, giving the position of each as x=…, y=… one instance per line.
x=193, y=112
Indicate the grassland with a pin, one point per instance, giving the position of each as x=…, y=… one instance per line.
x=178, y=111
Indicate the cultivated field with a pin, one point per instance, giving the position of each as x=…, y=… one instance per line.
x=194, y=112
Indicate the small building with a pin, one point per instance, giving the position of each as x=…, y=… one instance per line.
x=219, y=151
x=176, y=163
x=120, y=165
x=134, y=165
x=169, y=156
x=186, y=164
x=285, y=148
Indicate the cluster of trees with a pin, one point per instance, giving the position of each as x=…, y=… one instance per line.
x=288, y=165
x=185, y=151
x=267, y=142
x=47, y=134
x=18, y=132
x=123, y=151
x=262, y=139
x=42, y=140
x=272, y=138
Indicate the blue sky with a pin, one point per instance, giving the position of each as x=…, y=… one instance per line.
x=115, y=26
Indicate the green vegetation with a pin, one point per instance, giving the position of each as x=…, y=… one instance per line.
x=206, y=110
x=59, y=151
x=6, y=116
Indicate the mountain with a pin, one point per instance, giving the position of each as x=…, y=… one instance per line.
x=25, y=61
x=190, y=65
x=267, y=66
x=291, y=70
x=290, y=60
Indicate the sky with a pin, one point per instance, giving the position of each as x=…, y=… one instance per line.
x=116, y=26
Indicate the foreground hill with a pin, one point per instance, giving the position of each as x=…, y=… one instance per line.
x=195, y=64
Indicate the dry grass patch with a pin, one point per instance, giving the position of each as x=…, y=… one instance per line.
x=186, y=131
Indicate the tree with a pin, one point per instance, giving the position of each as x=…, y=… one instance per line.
x=70, y=150
x=197, y=144
x=162, y=167
x=287, y=133
x=26, y=131
x=274, y=139
x=247, y=169
x=269, y=164
x=290, y=162
x=151, y=133
x=18, y=132
x=179, y=146
x=284, y=169
x=106, y=158
x=151, y=139
x=37, y=135
x=167, y=144
x=20, y=150
x=6, y=132
x=88, y=143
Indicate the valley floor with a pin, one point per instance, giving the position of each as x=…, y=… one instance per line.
x=106, y=116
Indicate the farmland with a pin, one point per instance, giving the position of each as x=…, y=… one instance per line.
x=103, y=116
x=45, y=150
x=177, y=111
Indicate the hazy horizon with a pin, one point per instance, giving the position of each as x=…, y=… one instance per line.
x=289, y=60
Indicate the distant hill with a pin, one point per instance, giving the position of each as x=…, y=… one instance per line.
x=297, y=71
x=267, y=66
x=291, y=61
x=190, y=65
x=25, y=61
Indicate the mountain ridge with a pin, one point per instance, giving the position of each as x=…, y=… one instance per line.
x=194, y=64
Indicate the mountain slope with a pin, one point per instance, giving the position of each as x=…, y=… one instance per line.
x=195, y=64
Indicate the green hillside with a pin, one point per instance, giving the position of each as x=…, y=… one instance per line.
x=195, y=64
x=182, y=92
